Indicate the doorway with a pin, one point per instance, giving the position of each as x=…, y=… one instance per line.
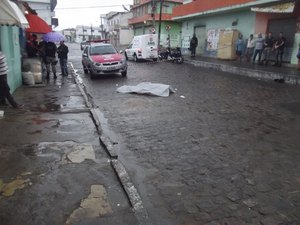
x=200, y=32
x=288, y=27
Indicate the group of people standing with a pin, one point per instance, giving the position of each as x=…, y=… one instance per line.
x=260, y=46
x=47, y=52
x=263, y=48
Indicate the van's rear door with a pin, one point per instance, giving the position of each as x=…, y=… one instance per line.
x=151, y=46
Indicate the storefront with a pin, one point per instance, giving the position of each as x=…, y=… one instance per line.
x=11, y=22
x=280, y=18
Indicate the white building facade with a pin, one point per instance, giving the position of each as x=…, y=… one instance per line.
x=87, y=33
x=44, y=9
x=120, y=33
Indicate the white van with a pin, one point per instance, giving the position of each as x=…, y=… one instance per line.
x=143, y=47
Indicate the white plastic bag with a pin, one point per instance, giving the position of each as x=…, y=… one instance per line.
x=28, y=78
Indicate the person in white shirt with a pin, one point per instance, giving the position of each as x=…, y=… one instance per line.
x=259, y=47
x=250, y=48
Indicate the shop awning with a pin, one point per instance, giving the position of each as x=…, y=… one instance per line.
x=280, y=8
x=37, y=25
x=11, y=14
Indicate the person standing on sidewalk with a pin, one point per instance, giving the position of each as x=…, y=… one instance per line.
x=32, y=46
x=193, y=45
x=259, y=45
x=268, y=47
x=4, y=88
x=239, y=47
x=279, y=47
x=42, y=53
x=250, y=48
x=62, y=52
x=50, y=51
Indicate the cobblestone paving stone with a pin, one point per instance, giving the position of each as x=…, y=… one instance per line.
x=227, y=153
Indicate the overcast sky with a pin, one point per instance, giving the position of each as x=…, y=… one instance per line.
x=85, y=12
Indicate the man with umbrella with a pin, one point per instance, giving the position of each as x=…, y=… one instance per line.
x=63, y=51
x=51, y=49
x=50, y=52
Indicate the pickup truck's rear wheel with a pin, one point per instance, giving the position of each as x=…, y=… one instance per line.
x=135, y=58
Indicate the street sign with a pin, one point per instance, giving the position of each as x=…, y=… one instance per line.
x=168, y=27
x=152, y=30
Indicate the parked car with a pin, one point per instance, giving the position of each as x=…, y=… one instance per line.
x=143, y=47
x=103, y=58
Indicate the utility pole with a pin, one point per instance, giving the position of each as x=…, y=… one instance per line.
x=159, y=24
x=153, y=11
x=102, y=30
x=83, y=38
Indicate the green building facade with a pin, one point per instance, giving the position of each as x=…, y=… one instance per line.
x=207, y=29
x=10, y=46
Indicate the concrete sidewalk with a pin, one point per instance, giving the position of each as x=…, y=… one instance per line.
x=289, y=74
x=53, y=169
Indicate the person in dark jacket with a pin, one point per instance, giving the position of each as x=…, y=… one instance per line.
x=193, y=45
x=50, y=53
x=4, y=88
x=32, y=46
x=268, y=47
x=279, y=47
x=62, y=52
x=42, y=53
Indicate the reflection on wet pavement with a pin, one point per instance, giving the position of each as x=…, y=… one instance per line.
x=66, y=152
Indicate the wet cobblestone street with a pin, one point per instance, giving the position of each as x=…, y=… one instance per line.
x=223, y=149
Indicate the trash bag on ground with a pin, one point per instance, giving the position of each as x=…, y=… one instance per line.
x=28, y=78
x=149, y=88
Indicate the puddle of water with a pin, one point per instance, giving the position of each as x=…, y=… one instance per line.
x=69, y=122
x=48, y=107
x=75, y=101
x=61, y=152
x=95, y=205
x=66, y=152
x=8, y=189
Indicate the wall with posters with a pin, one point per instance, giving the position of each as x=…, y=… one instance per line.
x=243, y=21
x=213, y=39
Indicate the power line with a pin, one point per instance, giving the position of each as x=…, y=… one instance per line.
x=89, y=7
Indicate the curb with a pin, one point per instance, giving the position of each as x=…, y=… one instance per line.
x=253, y=73
x=81, y=86
x=112, y=149
x=132, y=193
